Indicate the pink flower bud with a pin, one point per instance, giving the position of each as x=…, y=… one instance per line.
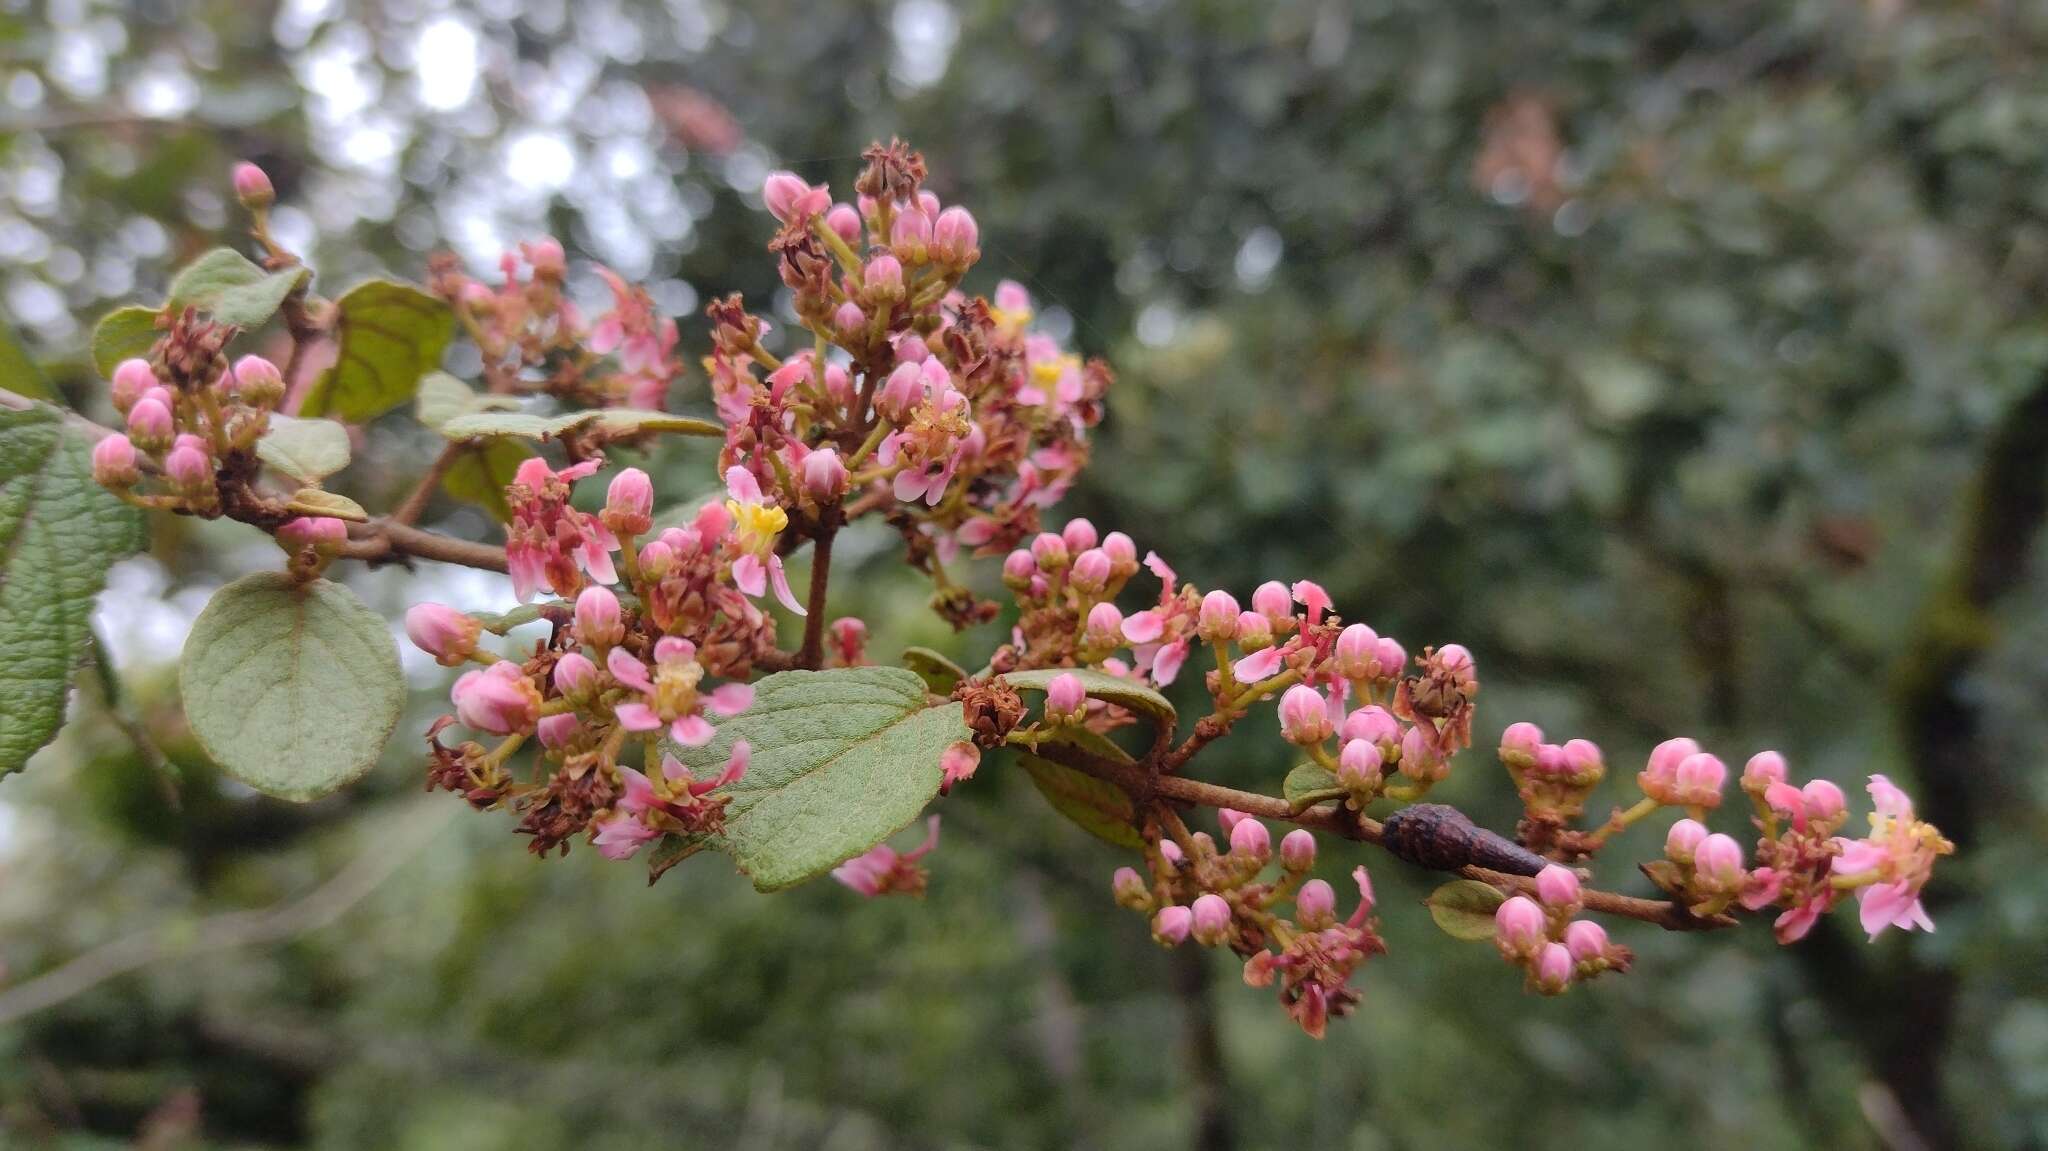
x=1091, y=570
x=1297, y=849
x=1586, y=940
x=1105, y=621
x=1211, y=919
x=657, y=559
x=149, y=424
x=575, y=675
x=1660, y=778
x=959, y=761
x=1421, y=760
x=849, y=319
x=1170, y=851
x=188, y=466
x=1079, y=535
x=1129, y=888
x=1519, y=926
x=113, y=462
x=884, y=275
x=1823, y=799
x=1018, y=569
x=1683, y=840
x=1065, y=697
x=1358, y=766
x=1049, y=550
x=1356, y=649
x=1228, y=818
x=1557, y=886
x=824, y=475
x=558, y=731
x=955, y=235
x=547, y=257
x=1250, y=838
x=1454, y=658
x=1763, y=769
x=1698, y=780
x=1373, y=724
x=909, y=232
x=1304, y=719
x=901, y=393
x=784, y=193
x=629, y=503
x=1217, y=622
x=1172, y=924
x=1272, y=600
x=1315, y=905
x=1718, y=861
x=598, y=622
x=497, y=699
x=253, y=187
x=132, y=380
x=843, y=220
x=321, y=533
x=442, y=632
x=1519, y=742
x=1553, y=969
x=256, y=381
x=1393, y=658
x=1122, y=552
x=1582, y=758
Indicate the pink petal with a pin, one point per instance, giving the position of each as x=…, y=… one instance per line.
x=636, y=717
x=1257, y=666
x=627, y=670
x=691, y=731
x=1166, y=664
x=780, y=579
x=1144, y=626
x=750, y=575
x=730, y=699
x=1158, y=567
x=741, y=485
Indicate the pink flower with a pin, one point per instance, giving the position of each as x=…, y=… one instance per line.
x=1217, y=620
x=1659, y=780
x=629, y=503
x=323, y=534
x=1375, y=725
x=132, y=380
x=1105, y=624
x=1519, y=742
x=1519, y=926
x=149, y=424
x=550, y=544
x=1272, y=600
x=1211, y=919
x=598, y=621
x=670, y=696
x=824, y=476
x=1251, y=839
x=676, y=803
x=885, y=871
x=575, y=675
x=757, y=522
x=442, y=632
x=884, y=273
x=1144, y=626
x=1683, y=840
x=1717, y=862
x=954, y=236
x=256, y=381
x=1065, y=698
x=1358, y=765
x=1091, y=572
x=1763, y=769
x=498, y=699
x=1586, y=940
x=1171, y=925
x=1259, y=665
x=252, y=186
x=1312, y=597
x=1553, y=970
x=1893, y=863
x=1315, y=905
x=1698, y=779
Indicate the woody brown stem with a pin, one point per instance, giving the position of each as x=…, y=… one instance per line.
x=813, y=650
x=1336, y=819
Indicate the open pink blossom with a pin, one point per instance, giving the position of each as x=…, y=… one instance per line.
x=1893, y=863
x=883, y=870
x=670, y=695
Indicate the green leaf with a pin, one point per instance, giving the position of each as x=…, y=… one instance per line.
x=306, y=450
x=1464, y=908
x=291, y=688
x=610, y=422
x=22, y=375
x=1308, y=785
x=443, y=397
x=842, y=760
x=315, y=502
x=1101, y=685
x=123, y=334
x=227, y=286
x=59, y=532
x=389, y=335
x=940, y=675
x=1103, y=809
x=479, y=475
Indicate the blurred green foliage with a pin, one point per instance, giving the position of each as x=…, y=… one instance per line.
x=1686, y=361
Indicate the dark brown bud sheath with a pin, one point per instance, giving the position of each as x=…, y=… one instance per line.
x=1443, y=838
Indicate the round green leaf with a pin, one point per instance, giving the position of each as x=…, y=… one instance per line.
x=229, y=287
x=478, y=475
x=842, y=760
x=123, y=334
x=306, y=450
x=316, y=502
x=940, y=675
x=1309, y=784
x=389, y=335
x=291, y=688
x=1101, y=808
x=1122, y=692
x=1464, y=908
x=443, y=397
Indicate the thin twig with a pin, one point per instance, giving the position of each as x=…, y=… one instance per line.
x=813, y=650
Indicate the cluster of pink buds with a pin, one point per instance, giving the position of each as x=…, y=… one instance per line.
x=950, y=409
x=1543, y=937
x=1223, y=897
x=187, y=410
x=611, y=678
x=534, y=339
